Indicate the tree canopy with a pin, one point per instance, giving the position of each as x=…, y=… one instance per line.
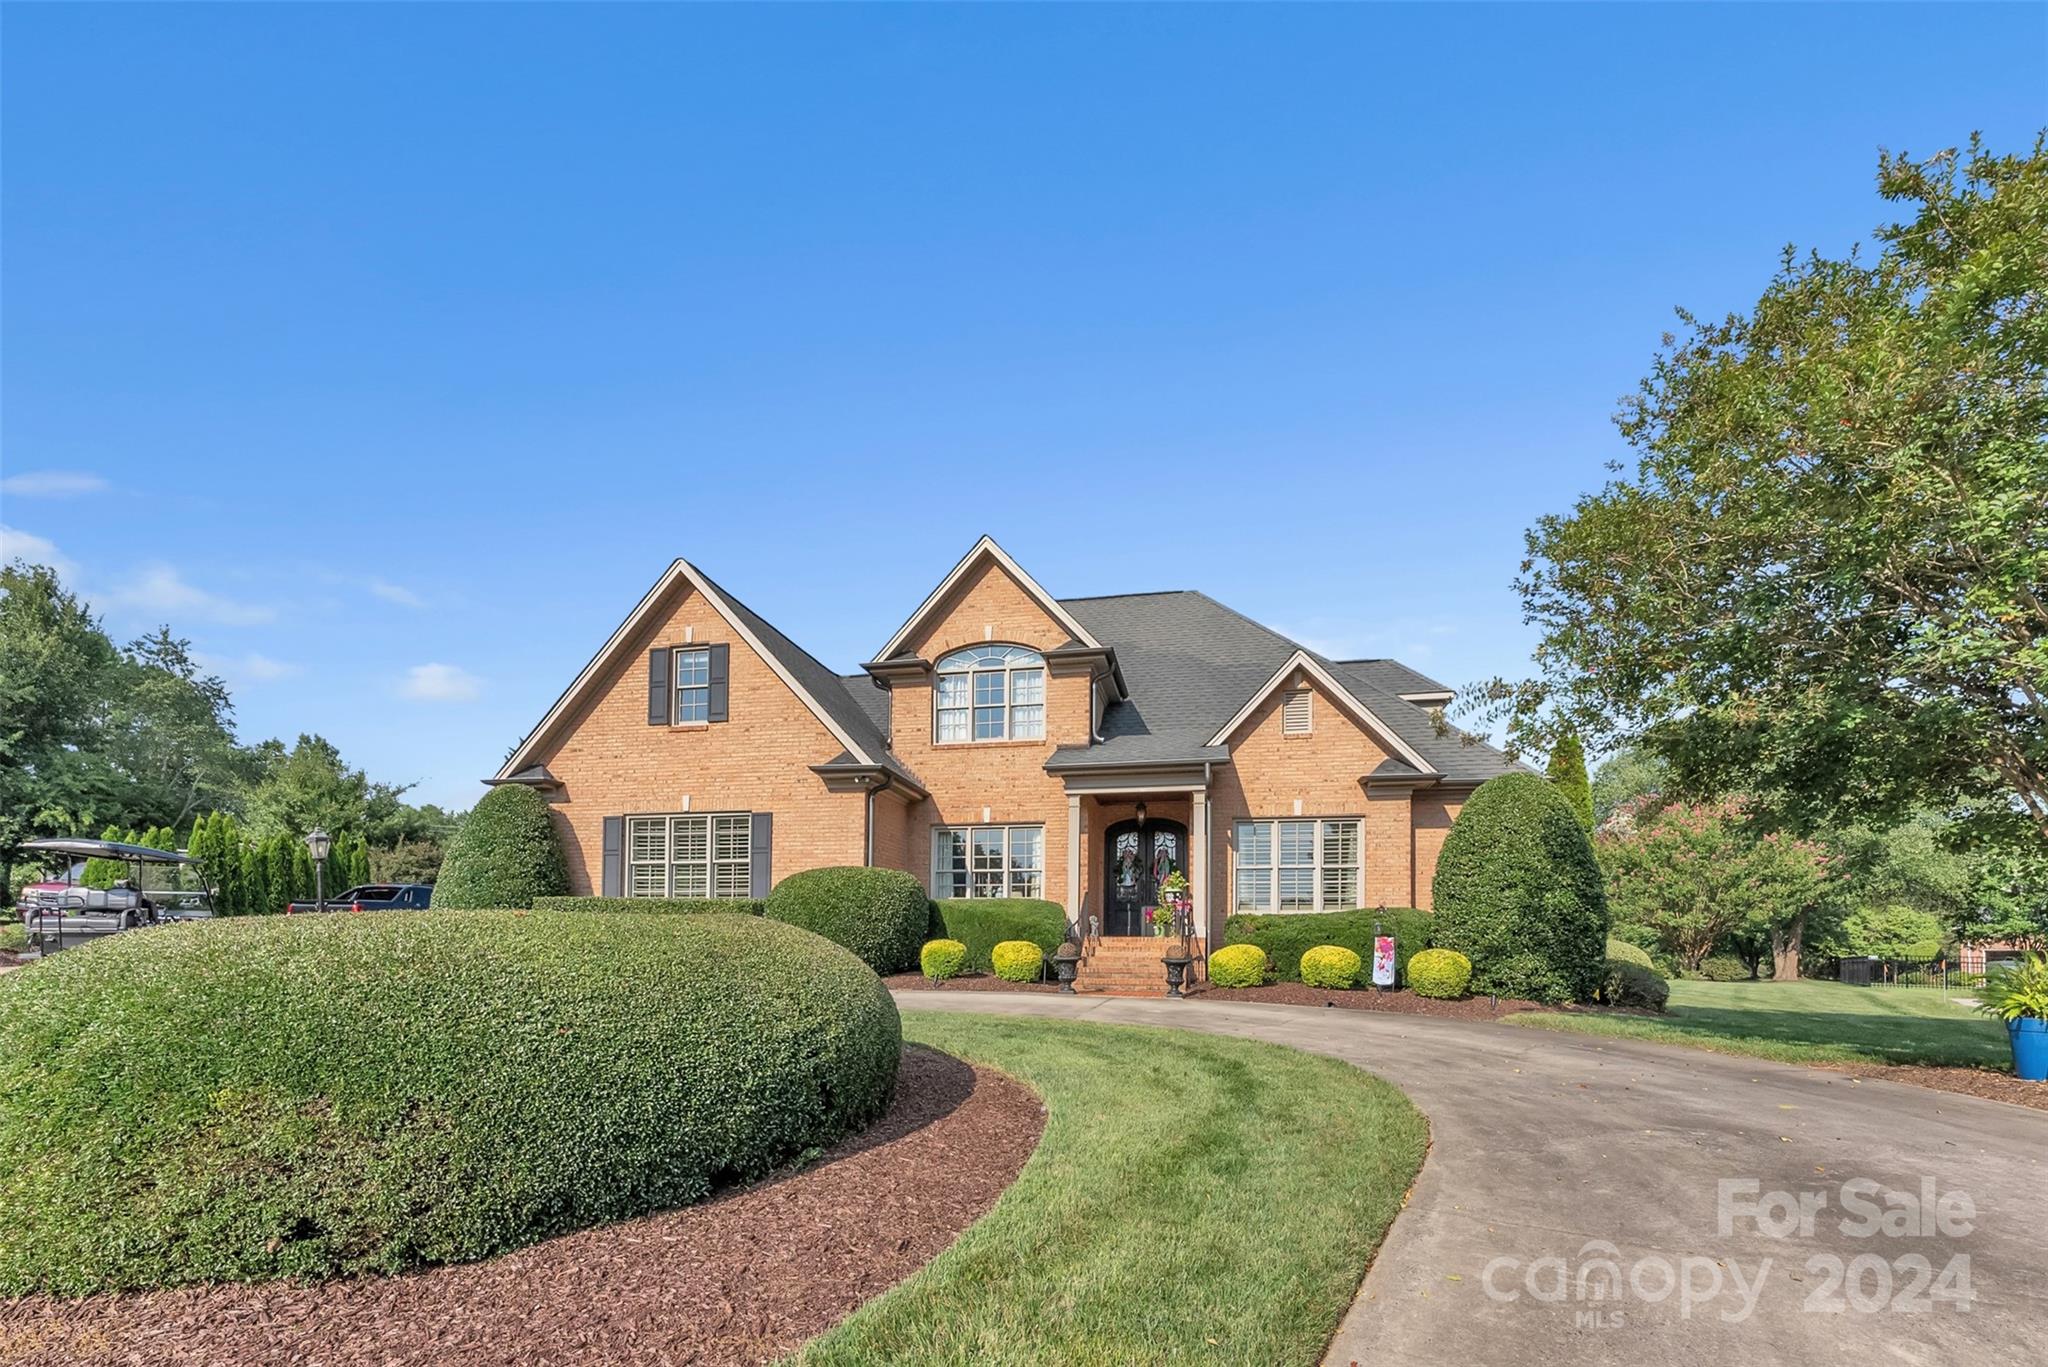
x=1822, y=585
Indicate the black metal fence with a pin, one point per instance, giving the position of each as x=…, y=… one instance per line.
x=1945, y=974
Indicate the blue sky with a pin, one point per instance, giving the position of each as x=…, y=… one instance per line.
x=390, y=352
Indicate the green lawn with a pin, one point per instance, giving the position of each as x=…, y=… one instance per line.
x=1808, y=1022
x=1194, y=1199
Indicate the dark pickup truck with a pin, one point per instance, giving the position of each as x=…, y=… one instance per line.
x=374, y=897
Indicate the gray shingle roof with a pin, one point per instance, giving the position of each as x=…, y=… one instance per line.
x=1191, y=663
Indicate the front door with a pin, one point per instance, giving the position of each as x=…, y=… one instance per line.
x=1138, y=859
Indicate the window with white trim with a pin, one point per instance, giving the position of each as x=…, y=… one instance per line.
x=1296, y=719
x=989, y=693
x=988, y=861
x=693, y=687
x=690, y=856
x=1299, y=865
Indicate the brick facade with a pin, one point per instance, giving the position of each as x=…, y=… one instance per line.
x=602, y=758
x=610, y=762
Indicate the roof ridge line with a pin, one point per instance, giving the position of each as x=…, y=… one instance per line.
x=1141, y=593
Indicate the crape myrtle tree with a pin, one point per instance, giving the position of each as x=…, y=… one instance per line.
x=1822, y=586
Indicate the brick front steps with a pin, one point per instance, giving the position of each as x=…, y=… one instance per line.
x=1130, y=966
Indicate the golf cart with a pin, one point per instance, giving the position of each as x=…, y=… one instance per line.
x=61, y=913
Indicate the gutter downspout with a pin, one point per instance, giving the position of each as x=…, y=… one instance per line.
x=868, y=831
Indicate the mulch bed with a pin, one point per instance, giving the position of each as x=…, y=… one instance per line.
x=966, y=982
x=744, y=1278
x=1978, y=1082
x=1365, y=999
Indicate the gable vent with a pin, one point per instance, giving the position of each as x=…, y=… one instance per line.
x=1295, y=717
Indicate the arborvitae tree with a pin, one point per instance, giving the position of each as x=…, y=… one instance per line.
x=302, y=871
x=1568, y=773
x=256, y=897
x=103, y=873
x=277, y=856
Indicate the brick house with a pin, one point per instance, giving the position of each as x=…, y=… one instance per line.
x=1002, y=742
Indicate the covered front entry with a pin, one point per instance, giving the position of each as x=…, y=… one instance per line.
x=1137, y=857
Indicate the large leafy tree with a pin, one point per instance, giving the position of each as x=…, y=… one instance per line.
x=1702, y=875
x=1823, y=584
x=312, y=786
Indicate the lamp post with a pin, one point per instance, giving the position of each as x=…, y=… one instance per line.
x=318, y=842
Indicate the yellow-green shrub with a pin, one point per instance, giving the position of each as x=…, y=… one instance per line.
x=1238, y=966
x=1629, y=954
x=1330, y=966
x=1442, y=973
x=1017, y=961
x=942, y=959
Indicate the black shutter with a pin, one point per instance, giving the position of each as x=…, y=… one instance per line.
x=659, y=695
x=761, y=855
x=719, y=660
x=614, y=856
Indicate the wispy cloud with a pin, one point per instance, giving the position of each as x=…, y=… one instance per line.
x=159, y=588
x=250, y=668
x=53, y=484
x=440, y=683
x=16, y=544
x=396, y=593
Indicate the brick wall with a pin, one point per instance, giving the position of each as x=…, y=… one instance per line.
x=1006, y=780
x=1270, y=772
x=611, y=762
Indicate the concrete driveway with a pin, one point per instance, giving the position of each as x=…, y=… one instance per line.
x=1555, y=1158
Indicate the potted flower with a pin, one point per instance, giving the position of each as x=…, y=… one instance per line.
x=1169, y=918
x=2019, y=996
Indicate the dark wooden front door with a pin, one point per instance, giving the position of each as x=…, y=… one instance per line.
x=1138, y=858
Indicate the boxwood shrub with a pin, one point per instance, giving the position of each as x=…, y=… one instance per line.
x=504, y=854
x=1519, y=893
x=1287, y=936
x=1440, y=973
x=982, y=923
x=1018, y=961
x=1629, y=954
x=1630, y=984
x=1725, y=968
x=656, y=906
x=879, y=914
x=942, y=959
x=1331, y=966
x=315, y=1096
x=1238, y=966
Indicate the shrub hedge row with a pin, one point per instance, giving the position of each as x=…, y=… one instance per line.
x=879, y=914
x=1287, y=936
x=656, y=906
x=263, y=1097
x=983, y=923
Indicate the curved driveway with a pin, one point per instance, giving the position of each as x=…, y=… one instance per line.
x=1543, y=1143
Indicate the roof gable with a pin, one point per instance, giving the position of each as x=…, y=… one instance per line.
x=984, y=551
x=820, y=690
x=1303, y=663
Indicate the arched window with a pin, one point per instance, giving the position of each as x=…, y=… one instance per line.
x=989, y=693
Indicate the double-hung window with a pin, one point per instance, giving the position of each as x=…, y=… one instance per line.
x=1303, y=865
x=689, y=856
x=989, y=693
x=693, y=686
x=988, y=861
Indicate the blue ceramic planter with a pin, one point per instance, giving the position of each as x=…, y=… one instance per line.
x=2029, y=1047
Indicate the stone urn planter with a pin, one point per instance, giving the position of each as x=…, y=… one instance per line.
x=1065, y=960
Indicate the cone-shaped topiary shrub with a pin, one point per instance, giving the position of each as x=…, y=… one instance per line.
x=324, y=1095
x=504, y=855
x=1330, y=966
x=1238, y=966
x=1018, y=961
x=880, y=914
x=1519, y=893
x=1440, y=973
x=942, y=959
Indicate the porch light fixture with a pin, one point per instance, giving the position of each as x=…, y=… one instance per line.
x=318, y=843
x=1141, y=813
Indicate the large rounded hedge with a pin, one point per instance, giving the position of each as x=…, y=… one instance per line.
x=504, y=855
x=1519, y=893
x=879, y=914
x=262, y=1098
